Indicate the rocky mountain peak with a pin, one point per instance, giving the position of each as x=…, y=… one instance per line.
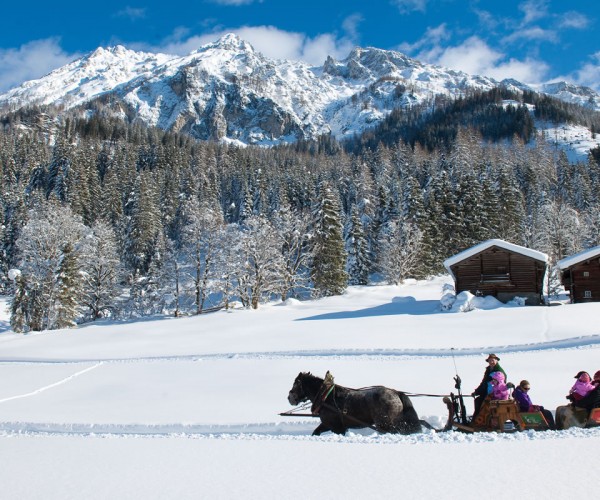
x=229, y=42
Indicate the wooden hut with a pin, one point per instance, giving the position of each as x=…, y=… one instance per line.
x=580, y=275
x=501, y=269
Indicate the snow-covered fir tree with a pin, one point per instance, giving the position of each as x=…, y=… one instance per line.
x=293, y=233
x=328, y=269
x=357, y=248
x=51, y=231
x=102, y=272
x=68, y=293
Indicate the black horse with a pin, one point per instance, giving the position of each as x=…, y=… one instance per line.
x=341, y=408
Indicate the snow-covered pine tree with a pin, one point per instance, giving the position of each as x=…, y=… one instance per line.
x=293, y=233
x=143, y=226
x=557, y=230
x=20, y=306
x=59, y=170
x=328, y=269
x=172, y=277
x=102, y=271
x=357, y=248
x=51, y=229
x=68, y=290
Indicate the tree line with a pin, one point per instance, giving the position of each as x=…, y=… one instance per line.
x=101, y=218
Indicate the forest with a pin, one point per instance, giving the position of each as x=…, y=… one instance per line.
x=107, y=218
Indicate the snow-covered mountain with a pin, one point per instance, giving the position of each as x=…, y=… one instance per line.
x=227, y=91
x=84, y=79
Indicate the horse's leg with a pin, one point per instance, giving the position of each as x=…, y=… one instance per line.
x=320, y=429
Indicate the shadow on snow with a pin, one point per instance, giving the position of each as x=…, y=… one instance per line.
x=399, y=305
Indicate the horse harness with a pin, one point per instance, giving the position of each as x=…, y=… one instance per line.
x=327, y=388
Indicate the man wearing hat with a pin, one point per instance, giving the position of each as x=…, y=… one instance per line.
x=485, y=386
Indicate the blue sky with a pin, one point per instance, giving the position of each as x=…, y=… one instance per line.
x=531, y=40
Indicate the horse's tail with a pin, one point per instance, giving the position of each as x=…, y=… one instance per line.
x=411, y=413
x=411, y=422
x=406, y=401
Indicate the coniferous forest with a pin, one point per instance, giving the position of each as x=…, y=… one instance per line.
x=107, y=218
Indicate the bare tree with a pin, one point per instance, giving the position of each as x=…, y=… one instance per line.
x=401, y=247
x=261, y=272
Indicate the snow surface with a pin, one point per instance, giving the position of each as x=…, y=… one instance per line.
x=188, y=408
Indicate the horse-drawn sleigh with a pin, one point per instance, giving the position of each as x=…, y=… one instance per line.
x=390, y=411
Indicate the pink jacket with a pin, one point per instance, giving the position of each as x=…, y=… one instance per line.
x=499, y=389
x=581, y=388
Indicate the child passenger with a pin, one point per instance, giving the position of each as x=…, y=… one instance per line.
x=499, y=388
x=581, y=388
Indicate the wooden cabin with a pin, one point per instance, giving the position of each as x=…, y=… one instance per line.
x=501, y=269
x=580, y=275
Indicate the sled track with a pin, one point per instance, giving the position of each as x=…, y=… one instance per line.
x=279, y=432
x=590, y=341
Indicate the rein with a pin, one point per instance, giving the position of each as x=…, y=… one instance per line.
x=416, y=395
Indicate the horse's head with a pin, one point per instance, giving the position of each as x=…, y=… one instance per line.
x=297, y=393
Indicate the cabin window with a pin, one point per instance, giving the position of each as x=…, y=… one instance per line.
x=586, y=274
x=587, y=294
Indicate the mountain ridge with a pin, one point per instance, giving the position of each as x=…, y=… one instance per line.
x=228, y=91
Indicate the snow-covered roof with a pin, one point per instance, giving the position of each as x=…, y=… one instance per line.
x=590, y=253
x=469, y=252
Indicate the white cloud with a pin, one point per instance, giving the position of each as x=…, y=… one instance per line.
x=236, y=2
x=589, y=74
x=407, y=6
x=270, y=41
x=30, y=61
x=433, y=36
x=533, y=10
x=132, y=13
x=476, y=57
x=534, y=33
x=350, y=26
x=574, y=20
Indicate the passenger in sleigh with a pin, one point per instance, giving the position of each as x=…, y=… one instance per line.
x=582, y=387
x=499, y=388
x=521, y=396
x=592, y=399
x=485, y=387
x=577, y=413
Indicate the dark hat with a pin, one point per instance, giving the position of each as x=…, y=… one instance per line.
x=492, y=356
x=579, y=374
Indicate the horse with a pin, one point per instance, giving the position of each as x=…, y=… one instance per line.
x=341, y=408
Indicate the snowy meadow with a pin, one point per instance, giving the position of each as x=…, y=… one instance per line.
x=189, y=407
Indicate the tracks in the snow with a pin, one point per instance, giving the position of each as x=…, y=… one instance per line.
x=589, y=341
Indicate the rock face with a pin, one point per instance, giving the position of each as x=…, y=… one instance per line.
x=227, y=91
